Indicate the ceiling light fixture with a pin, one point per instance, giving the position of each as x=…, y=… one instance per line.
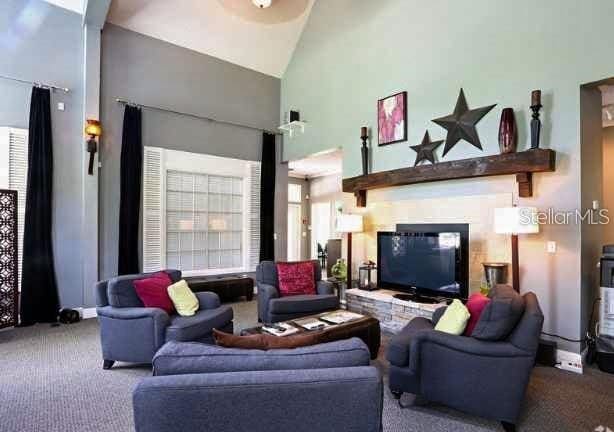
x=262, y=4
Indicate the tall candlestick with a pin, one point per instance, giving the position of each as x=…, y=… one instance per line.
x=536, y=124
x=364, y=135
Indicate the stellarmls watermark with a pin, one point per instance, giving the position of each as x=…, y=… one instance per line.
x=564, y=217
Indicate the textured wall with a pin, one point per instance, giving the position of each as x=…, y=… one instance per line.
x=157, y=73
x=44, y=43
x=498, y=52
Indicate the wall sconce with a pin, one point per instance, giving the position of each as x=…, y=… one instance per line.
x=94, y=130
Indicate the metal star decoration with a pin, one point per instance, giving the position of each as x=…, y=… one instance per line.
x=424, y=151
x=461, y=123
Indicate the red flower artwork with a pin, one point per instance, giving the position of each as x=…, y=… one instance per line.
x=392, y=118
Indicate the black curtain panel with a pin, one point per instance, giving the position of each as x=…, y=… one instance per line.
x=39, y=291
x=267, y=198
x=131, y=176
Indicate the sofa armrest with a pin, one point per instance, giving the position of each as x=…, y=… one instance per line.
x=266, y=293
x=208, y=300
x=129, y=313
x=464, y=344
x=228, y=401
x=324, y=287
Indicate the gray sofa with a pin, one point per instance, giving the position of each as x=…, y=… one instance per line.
x=133, y=333
x=326, y=387
x=484, y=378
x=273, y=308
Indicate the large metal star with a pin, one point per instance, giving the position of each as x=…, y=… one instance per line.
x=424, y=151
x=461, y=123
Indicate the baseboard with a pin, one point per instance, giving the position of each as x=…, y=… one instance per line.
x=570, y=361
x=87, y=313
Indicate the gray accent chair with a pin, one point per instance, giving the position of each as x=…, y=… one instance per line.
x=130, y=332
x=484, y=378
x=273, y=308
x=211, y=388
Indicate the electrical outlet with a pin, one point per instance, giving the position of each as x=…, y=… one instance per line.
x=551, y=247
x=61, y=106
x=571, y=366
x=569, y=361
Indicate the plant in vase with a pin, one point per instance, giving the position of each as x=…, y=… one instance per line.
x=339, y=270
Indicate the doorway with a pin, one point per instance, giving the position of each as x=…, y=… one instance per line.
x=314, y=190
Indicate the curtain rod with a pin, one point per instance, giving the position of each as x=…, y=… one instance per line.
x=196, y=116
x=36, y=84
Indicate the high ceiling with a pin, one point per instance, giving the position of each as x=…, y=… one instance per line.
x=317, y=165
x=225, y=29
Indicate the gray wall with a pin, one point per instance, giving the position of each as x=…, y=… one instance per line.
x=40, y=42
x=153, y=72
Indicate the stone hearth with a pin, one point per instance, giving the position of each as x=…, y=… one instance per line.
x=393, y=314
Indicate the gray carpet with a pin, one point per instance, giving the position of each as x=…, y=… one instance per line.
x=51, y=380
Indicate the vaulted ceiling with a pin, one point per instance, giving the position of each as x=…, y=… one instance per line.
x=232, y=30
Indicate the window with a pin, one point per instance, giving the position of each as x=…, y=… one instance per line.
x=14, y=175
x=294, y=193
x=201, y=213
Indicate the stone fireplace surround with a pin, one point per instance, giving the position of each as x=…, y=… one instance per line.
x=393, y=314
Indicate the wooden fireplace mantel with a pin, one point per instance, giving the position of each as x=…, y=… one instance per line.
x=522, y=164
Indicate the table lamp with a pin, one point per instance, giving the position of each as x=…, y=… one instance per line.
x=349, y=223
x=514, y=221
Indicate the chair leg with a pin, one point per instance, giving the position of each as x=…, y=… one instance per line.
x=508, y=427
x=107, y=364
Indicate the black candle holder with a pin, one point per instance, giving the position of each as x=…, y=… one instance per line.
x=365, y=155
x=536, y=126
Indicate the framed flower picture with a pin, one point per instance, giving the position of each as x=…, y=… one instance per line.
x=392, y=119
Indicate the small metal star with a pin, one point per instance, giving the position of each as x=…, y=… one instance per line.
x=424, y=151
x=461, y=123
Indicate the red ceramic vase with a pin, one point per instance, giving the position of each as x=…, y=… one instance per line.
x=508, y=133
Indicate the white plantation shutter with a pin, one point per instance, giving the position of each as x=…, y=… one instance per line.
x=254, y=216
x=14, y=175
x=152, y=209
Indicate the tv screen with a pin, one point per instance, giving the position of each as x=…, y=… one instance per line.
x=428, y=261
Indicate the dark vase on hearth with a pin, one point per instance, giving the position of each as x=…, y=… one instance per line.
x=508, y=133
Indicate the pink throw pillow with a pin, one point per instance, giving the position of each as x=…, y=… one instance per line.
x=153, y=291
x=296, y=278
x=475, y=304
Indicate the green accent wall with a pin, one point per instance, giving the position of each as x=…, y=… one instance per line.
x=353, y=52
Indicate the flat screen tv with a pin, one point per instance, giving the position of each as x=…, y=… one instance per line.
x=429, y=260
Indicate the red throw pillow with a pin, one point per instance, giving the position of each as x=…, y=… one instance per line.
x=476, y=304
x=153, y=291
x=296, y=278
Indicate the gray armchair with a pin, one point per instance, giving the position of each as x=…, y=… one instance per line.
x=133, y=333
x=484, y=378
x=211, y=388
x=273, y=308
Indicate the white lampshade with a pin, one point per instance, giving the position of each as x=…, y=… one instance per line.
x=348, y=223
x=516, y=220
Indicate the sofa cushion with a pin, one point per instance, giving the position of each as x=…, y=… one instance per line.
x=121, y=291
x=153, y=291
x=184, y=300
x=190, y=328
x=500, y=315
x=265, y=341
x=303, y=303
x=175, y=358
x=296, y=278
x=475, y=304
x=454, y=319
x=398, y=348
